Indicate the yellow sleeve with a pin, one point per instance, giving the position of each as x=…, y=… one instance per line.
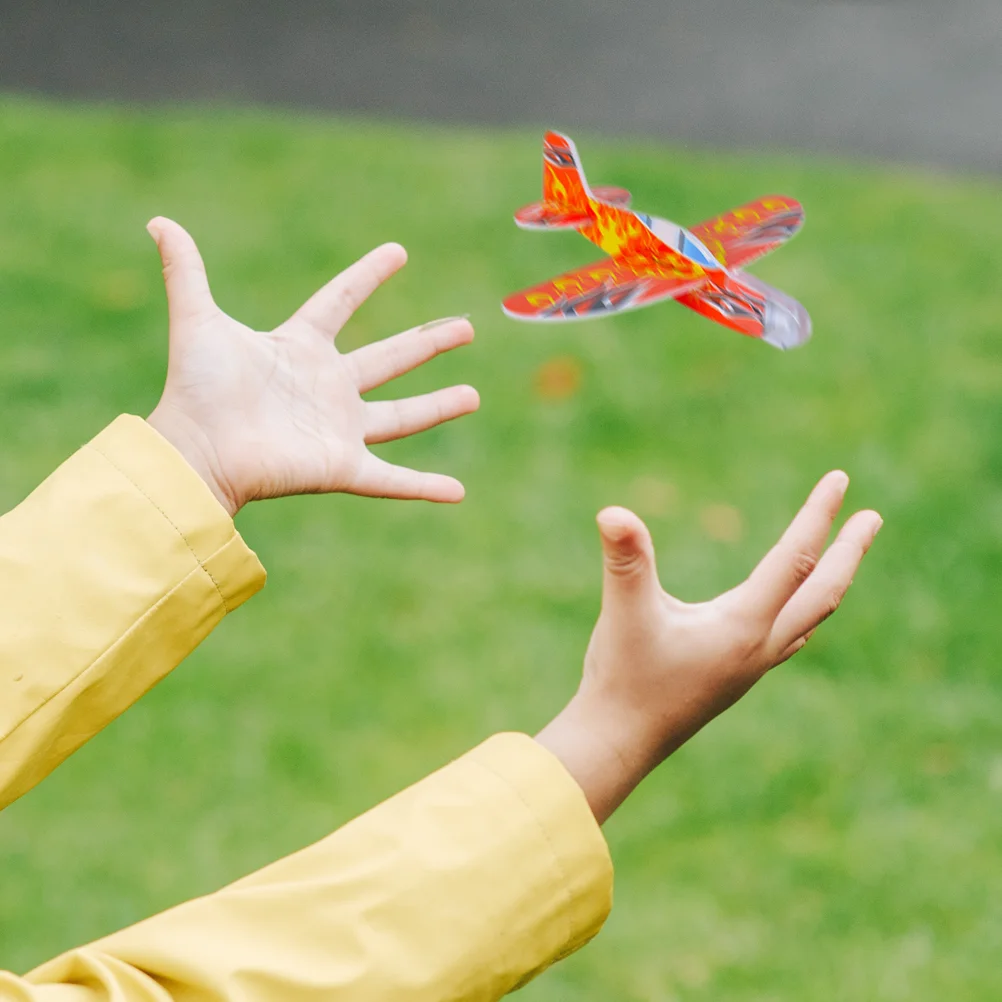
x=462, y=887
x=111, y=572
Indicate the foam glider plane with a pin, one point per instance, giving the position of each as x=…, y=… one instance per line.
x=651, y=259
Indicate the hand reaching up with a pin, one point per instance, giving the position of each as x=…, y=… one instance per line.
x=658, y=669
x=269, y=414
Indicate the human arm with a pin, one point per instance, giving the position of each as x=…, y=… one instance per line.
x=484, y=874
x=111, y=572
x=657, y=669
x=479, y=877
x=460, y=888
x=117, y=566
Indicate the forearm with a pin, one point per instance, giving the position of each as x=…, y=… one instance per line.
x=460, y=888
x=589, y=743
x=111, y=572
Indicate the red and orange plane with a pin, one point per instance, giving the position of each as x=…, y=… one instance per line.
x=651, y=259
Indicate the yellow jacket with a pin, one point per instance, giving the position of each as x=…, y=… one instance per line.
x=462, y=887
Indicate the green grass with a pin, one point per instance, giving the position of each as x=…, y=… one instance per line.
x=836, y=836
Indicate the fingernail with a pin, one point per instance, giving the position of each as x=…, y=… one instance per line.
x=616, y=534
x=153, y=230
x=444, y=320
x=614, y=531
x=841, y=480
x=878, y=526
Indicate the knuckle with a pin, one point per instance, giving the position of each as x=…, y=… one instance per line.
x=795, y=648
x=627, y=565
x=348, y=299
x=397, y=357
x=399, y=414
x=802, y=564
x=437, y=341
x=834, y=600
x=170, y=269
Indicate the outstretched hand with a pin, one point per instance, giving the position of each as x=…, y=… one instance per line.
x=658, y=669
x=269, y=414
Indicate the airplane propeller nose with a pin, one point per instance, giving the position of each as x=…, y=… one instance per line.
x=787, y=323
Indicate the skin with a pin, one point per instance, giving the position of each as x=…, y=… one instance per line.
x=269, y=414
x=657, y=670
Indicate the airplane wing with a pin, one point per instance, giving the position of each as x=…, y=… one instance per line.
x=596, y=290
x=738, y=237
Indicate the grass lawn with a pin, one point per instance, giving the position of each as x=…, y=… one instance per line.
x=837, y=835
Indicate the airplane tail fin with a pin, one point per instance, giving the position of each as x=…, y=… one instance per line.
x=567, y=199
x=564, y=182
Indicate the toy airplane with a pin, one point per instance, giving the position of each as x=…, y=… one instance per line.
x=651, y=259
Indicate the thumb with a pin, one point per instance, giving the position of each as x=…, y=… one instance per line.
x=628, y=554
x=188, y=295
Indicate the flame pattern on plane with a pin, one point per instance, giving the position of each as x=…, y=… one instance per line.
x=645, y=264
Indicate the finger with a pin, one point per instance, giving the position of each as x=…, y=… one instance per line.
x=188, y=295
x=820, y=595
x=381, y=361
x=787, y=565
x=798, y=645
x=379, y=479
x=628, y=556
x=328, y=310
x=386, y=420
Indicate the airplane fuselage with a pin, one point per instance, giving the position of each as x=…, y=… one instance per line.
x=649, y=259
x=671, y=251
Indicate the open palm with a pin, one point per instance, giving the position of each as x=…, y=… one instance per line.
x=658, y=669
x=691, y=661
x=269, y=414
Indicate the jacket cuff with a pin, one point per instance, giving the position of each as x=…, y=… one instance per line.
x=582, y=867
x=165, y=478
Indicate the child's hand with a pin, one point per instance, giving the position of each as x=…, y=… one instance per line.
x=270, y=414
x=658, y=669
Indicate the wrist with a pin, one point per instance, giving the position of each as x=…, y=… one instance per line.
x=185, y=436
x=600, y=754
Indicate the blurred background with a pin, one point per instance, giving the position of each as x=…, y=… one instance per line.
x=836, y=836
